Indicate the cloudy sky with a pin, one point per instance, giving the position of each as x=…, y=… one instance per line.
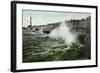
x=44, y=17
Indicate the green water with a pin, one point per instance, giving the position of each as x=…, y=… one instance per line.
x=39, y=48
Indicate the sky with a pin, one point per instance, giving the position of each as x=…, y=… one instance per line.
x=45, y=17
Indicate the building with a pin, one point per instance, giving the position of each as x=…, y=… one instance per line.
x=80, y=26
x=30, y=27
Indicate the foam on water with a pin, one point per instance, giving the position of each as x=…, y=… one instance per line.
x=63, y=32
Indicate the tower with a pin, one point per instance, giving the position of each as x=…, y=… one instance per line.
x=30, y=27
x=30, y=20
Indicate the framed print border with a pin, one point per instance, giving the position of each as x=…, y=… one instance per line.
x=14, y=35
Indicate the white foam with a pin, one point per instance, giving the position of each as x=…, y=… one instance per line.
x=63, y=32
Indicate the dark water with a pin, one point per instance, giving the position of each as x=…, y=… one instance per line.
x=38, y=47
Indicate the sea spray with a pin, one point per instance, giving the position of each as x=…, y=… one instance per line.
x=63, y=32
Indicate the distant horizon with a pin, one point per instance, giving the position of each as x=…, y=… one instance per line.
x=46, y=17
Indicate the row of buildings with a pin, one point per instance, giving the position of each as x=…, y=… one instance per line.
x=82, y=25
